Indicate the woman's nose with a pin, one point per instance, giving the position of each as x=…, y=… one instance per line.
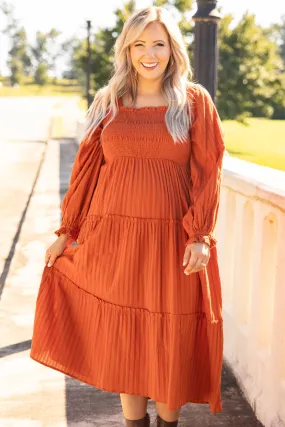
x=149, y=52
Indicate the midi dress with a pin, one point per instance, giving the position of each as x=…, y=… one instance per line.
x=117, y=311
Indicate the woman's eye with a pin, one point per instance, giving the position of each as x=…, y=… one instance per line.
x=158, y=44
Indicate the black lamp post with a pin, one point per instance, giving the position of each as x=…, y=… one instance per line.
x=88, y=94
x=206, y=45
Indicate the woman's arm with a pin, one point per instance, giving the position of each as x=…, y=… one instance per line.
x=207, y=149
x=83, y=181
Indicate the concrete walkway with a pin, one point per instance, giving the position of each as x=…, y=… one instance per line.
x=30, y=394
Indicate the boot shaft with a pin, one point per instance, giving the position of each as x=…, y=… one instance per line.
x=143, y=422
x=161, y=423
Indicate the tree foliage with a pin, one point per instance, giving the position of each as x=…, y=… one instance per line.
x=250, y=71
x=181, y=5
x=25, y=59
x=276, y=32
x=45, y=51
x=102, y=49
x=19, y=60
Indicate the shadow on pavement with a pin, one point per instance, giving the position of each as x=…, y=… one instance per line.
x=9, y=350
x=88, y=406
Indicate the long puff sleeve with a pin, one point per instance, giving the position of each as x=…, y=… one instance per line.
x=207, y=150
x=83, y=181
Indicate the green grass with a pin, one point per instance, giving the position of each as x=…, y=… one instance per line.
x=36, y=90
x=261, y=142
x=82, y=105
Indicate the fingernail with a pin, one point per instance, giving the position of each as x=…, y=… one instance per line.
x=186, y=272
x=49, y=264
x=184, y=263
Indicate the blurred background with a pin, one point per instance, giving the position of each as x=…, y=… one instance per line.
x=54, y=56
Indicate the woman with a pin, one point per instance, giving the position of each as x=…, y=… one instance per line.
x=135, y=307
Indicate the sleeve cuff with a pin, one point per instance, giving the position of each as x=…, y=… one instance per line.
x=202, y=238
x=70, y=231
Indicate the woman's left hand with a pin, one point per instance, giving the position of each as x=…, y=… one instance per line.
x=196, y=256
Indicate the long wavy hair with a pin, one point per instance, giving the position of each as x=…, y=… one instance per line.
x=174, y=83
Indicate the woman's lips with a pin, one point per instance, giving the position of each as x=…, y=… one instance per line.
x=149, y=65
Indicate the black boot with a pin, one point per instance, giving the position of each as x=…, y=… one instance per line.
x=161, y=423
x=143, y=422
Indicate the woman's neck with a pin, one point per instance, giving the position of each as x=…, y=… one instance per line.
x=149, y=87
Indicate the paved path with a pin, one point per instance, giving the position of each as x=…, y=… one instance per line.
x=28, y=118
x=33, y=176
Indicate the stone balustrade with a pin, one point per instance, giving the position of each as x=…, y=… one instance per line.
x=251, y=249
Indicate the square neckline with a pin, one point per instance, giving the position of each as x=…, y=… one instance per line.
x=145, y=108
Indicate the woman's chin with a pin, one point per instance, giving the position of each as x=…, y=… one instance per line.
x=150, y=75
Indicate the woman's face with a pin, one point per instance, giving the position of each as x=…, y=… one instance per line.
x=150, y=53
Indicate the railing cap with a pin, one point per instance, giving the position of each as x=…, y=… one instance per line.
x=255, y=181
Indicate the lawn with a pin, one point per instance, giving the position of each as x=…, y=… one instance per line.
x=261, y=142
x=83, y=105
x=54, y=87
x=36, y=90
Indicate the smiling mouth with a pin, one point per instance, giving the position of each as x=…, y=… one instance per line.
x=149, y=65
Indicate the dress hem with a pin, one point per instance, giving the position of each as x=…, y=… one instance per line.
x=168, y=352
x=217, y=408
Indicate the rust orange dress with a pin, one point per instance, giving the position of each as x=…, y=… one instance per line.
x=117, y=311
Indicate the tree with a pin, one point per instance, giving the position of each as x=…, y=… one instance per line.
x=41, y=74
x=282, y=38
x=16, y=69
x=54, y=49
x=276, y=32
x=102, y=51
x=19, y=60
x=182, y=6
x=103, y=47
x=250, y=68
x=71, y=49
x=45, y=52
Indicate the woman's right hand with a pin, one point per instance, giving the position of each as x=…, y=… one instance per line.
x=56, y=249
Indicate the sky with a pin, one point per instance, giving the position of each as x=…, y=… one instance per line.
x=69, y=16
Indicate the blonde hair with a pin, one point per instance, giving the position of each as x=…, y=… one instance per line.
x=123, y=81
